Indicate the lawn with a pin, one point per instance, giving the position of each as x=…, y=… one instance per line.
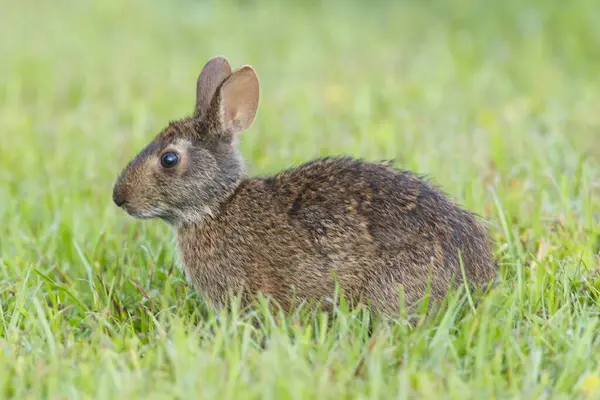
x=497, y=102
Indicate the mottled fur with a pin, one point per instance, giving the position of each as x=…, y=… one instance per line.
x=369, y=226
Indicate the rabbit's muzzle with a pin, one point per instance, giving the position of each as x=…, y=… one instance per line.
x=118, y=196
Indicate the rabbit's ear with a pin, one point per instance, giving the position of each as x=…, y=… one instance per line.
x=238, y=100
x=215, y=71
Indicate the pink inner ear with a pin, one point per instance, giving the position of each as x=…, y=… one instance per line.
x=231, y=115
x=239, y=99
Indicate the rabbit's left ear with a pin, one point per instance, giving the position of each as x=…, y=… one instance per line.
x=238, y=101
x=215, y=71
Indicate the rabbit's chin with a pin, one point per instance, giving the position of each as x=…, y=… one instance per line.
x=144, y=214
x=172, y=217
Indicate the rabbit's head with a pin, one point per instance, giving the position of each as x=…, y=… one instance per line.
x=194, y=163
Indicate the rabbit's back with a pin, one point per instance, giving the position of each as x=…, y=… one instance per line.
x=368, y=226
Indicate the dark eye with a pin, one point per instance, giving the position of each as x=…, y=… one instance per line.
x=169, y=160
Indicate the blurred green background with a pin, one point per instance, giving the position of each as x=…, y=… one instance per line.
x=497, y=102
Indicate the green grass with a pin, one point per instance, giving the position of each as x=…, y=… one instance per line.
x=496, y=101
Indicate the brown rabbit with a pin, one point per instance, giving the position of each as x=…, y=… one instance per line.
x=292, y=236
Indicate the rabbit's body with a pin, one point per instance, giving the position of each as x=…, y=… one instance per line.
x=366, y=226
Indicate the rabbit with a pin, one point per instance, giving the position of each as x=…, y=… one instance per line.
x=366, y=227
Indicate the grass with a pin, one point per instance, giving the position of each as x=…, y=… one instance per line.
x=496, y=101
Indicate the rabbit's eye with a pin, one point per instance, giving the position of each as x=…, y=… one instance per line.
x=169, y=160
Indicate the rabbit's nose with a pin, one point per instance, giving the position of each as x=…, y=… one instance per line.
x=118, y=196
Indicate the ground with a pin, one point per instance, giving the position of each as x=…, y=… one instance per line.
x=497, y=102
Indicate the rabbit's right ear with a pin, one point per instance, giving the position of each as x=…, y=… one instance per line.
x=237, y=101
x=215, y=71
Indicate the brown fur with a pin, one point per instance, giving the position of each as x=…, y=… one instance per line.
x=369, y=226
